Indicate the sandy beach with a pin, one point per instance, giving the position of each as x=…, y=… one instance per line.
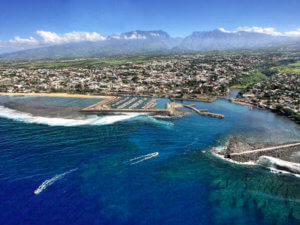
x=55, y=95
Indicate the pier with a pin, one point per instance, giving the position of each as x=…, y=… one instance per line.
x=150, y=104
x=204, y=112
x=126, y=103
x=102, y=105
x=120, y=101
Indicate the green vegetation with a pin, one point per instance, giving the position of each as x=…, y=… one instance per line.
x=245, y=80
x=85, y=62
x=292, y=68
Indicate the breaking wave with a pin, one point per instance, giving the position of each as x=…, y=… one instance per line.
x=279, y=165
x=91, y=120
x=49, y=182
x=162, y=123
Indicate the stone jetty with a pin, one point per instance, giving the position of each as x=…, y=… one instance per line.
x=242, y=151
x=204, y=112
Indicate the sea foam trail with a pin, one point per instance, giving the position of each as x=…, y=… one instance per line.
x=92, y=120
x=143, y=158
x=49, y=182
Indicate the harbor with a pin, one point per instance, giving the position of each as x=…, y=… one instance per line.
x=128, y=104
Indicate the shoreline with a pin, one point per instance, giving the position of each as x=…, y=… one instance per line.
x=204, y=99
x=234, y=101
x=66, y=95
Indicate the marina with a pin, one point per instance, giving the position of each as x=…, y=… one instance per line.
x=142, y=105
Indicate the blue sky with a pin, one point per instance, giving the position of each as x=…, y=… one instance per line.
x=23, y=18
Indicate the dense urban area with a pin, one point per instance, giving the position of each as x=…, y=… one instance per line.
x=268, y=80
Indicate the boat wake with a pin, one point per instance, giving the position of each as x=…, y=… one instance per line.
x=91, y=120
x=143, y=158
x=49, y=182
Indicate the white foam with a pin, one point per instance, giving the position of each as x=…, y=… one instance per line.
x=163, y=123
x=249, y=163
x=49, y=182
x=143, y=158
x=279, y=165
x=92, y=120
x=219, y=149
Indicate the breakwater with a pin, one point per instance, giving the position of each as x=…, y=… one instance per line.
x=280, y=151
x=242, y=151
x=204, y=112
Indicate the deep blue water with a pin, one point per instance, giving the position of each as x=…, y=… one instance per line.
x=106, y=175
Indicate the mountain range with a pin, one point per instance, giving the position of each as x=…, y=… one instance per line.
x=155, y=42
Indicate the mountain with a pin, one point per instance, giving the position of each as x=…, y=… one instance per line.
x=219, y=40
x=134, y=42
x=157, y=41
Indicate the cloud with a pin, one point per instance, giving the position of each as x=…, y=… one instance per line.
x=129, y=36
x=75, y=36
x=262, y=30
x=23, y=41
x=226, y=31
x=51, y=38
x=295, y=33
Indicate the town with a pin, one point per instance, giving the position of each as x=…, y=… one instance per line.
x=280, y=93
x=200, y=77
x=179, y=76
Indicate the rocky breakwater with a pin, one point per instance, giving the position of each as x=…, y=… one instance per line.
x=283, y=156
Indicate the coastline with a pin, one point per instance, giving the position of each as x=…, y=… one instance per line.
x=233, y=100
x=204, y=99
x=54, y=95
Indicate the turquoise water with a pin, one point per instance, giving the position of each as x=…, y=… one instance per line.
x=133, y=169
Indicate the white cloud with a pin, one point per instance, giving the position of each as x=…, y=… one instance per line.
x=262, y=30
x=75, y=36
x=154, y=34
x=23, y=41
x=48, y=38
x=295, y=33
x=134, y=35
x=226, y=31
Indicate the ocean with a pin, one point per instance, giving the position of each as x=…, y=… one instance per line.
x=60, y=167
